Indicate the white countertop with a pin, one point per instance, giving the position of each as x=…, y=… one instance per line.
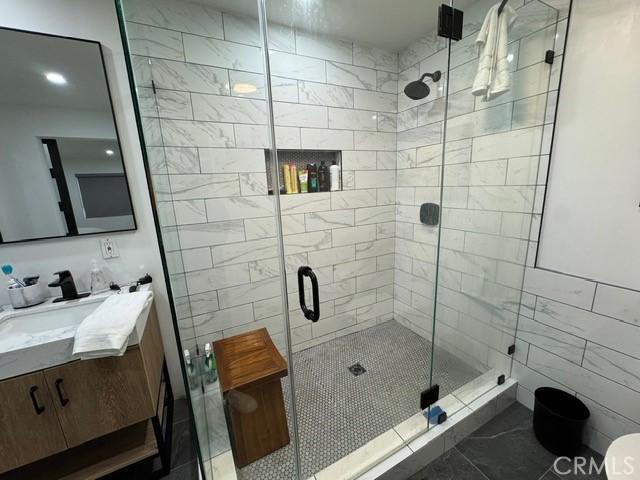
x=38, y=345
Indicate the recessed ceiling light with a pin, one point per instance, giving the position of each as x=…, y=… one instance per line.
x=109, y=152
x=244, y=88
x=56, y=78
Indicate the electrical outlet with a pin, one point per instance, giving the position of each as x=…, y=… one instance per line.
x=109, y=248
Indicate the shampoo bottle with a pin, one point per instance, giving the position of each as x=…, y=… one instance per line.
x=334, y=174
x=323, y=177
x=313, y=177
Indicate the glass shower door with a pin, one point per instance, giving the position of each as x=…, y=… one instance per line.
x=496, y=149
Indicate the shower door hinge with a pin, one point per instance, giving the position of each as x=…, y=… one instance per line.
x=429, y=396
x=511, y=349
x=501, y=379
x=549, y=56
x=450, y=22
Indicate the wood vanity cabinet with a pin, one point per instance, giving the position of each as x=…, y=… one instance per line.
x=63, y=407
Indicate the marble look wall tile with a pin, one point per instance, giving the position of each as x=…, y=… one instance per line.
x=324, y=139
x=385, y=161
x=373, y=249
x=382, y=102
x=239, y=207
x=252, y=136
x=197, y=259
x=141, y=70
x=293, y=224
x=295, y=115
x=189, y=211
x=508, y=249
x=351, y=76
x=482, y=122
x=306, y=242
x=563, y=288
x=173, y=104
x=418, y=177
x=472, y=220
x=378, y=58
x=147, y=101
x=600, y=389
x=203, y=303
x=249, y=292
x=214, y=278
x=216, y=321
x=182, y=160
x=185, y=17
x=217, y=108
x=343, y=271
x=407, y=119
x=253, y=183
x=613, y=365
x=419, y=137
x=186, y=133
x=606, y=331
x=189, y=77
x=256, y=228
x=332, y=256
x=353, y=199
x=323, y=94
x=375, y=179
x=358, y=160
x=313, y=45
x=387, y=122
x=186, y=187
x=420, y=49
x=230, y=160
x=522, y=170
x=618, y=303
x=553, y=340
x=375, y=141
x=201, y=235
x=219, y=53
x=154, y=42
x=292, y=204
x=353, y=235
x=349, y=119
x=506, y=199
x=330, y=219
x=387, y=82
x=244, y=29
x=244, y=252
x=151, y=131
x=297, y=67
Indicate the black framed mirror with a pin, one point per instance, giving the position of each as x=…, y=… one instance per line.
x=61, y=168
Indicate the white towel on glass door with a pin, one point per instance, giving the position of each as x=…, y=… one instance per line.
x=105, y=333
x=493, y=77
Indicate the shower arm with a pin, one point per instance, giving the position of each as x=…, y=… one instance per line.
x=435, y=76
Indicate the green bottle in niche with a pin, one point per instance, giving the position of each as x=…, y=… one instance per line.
x=312, y=168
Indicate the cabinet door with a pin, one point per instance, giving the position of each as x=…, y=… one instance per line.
x=29, y=428
x=96, y=397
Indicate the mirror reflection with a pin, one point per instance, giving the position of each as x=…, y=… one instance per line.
x=61, y=168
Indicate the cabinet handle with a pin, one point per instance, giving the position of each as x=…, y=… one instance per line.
x=36, y=405
x=63, y=398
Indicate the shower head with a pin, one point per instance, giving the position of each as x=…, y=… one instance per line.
x=418, y=90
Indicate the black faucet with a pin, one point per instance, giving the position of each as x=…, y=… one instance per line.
x=68, y=286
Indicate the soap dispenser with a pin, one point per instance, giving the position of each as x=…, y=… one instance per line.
x=99, y=281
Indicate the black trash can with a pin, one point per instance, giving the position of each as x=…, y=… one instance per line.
x=559, y=419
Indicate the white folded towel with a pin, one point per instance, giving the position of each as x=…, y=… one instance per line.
x=105, y=333
x=493, y=77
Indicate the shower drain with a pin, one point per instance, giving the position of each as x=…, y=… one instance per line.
x=357, y=369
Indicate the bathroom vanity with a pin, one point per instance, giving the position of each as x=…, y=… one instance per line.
x=68, y=418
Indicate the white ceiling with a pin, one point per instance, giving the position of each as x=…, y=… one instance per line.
x=26, y=57
x=390, y=24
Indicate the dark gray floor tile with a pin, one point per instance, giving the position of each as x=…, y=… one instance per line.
x=188, y=471
x=182, y=449
x=450, y=466
x=180, y=410
x=506, y=447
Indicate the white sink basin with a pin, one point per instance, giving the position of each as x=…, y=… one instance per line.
x=39, y=337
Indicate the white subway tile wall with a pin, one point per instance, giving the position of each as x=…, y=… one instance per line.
x=206, y=132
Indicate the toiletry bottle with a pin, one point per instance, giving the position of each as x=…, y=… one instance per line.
x=334, y=174
x=294, y=178
x=99, y=281
x=210, y=371
x=192, y=371
x=323, y=177
x=286, y=177
x=313, y=177
x=303, y=176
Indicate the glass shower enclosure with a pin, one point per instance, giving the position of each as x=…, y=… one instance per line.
x=380, y=237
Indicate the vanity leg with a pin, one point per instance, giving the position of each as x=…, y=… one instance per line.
x=164, y=417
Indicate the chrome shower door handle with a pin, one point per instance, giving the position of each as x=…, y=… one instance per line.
x=311, y=314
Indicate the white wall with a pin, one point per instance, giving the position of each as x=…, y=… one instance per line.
x=139, y=253
x=591, y=222
x=583, y=335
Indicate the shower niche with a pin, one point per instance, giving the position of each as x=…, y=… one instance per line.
x=296, y=162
